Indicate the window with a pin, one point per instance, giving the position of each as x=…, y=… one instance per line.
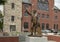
x=26, y=5
x=56, y=26
x=26, y=14
x=26, y=1
x=47, y=26
x=43, y=26
x=56, y=17
x=25, y=25
x=43, y=1
x=12, y=5
x=12, y=18
x=12, y=28
x=43, y=4
x=25, y=31
x=43, y=15
x=38, y=16
x=56, y=11
x=47, y=16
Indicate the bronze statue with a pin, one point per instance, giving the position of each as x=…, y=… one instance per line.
x=35, y=25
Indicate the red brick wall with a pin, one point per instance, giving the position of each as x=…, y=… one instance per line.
x=9, y=39
x=26, y=18
x=51, y=20
x=54, y=38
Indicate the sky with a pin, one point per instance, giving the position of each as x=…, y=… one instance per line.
x=1, y=8
x=57, y=3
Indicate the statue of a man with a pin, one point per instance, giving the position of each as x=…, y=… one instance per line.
x=35, y=25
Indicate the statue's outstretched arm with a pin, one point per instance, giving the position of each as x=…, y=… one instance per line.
x=28, y=12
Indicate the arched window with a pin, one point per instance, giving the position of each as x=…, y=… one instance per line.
x=43, y=26
x=43, y=4
x=12, y=18
x=47, y=16
x=12, y=5
x=47, y=26
x=43, y=15
x=56, y=26
x=25, y=25
x=25, y=14
x=56, y=17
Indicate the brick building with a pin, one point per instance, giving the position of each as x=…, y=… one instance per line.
x=48, y=13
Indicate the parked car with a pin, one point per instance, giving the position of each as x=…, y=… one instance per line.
x=46, y=31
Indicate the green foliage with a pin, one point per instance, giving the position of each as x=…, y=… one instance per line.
x=2, y=2
x=1, y=16
x=1, y=25
x=58, y=30
x=1, y=22
x=15, y=33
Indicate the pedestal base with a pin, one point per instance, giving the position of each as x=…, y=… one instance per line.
x=36, y=39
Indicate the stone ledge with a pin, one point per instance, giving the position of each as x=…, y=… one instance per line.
x=36, y=39
x=51, y=41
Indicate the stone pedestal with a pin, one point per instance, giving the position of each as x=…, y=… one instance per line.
x=36, y=39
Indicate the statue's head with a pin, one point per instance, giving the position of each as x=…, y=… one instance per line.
x=34, y=11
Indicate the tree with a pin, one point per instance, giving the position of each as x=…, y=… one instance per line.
x=1, y=22
x=2, y=2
